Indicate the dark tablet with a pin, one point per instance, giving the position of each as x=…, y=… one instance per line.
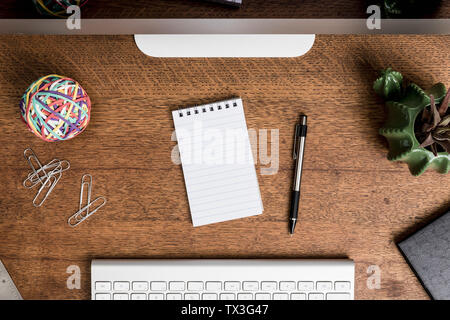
x=428, y=253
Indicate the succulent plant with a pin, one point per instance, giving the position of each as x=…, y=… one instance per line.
x=435, y=128
x=415, y=115
x=408, y=8
x=389, y=84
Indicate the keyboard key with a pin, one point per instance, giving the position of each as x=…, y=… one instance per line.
x=338, y=296
x=342, y=286
x=306, y=286
x=324, y=286
x=298, y=296
x=102, y=296
x=156, y=296
x=121, y=286
x=232, y=286
x=280, y=296
x=140, y=286
x=213, y=286
x=262, y=296
x=103, y=286
x=191, y=296
x=250, y=286
x=195, y=286
x=315, y=296
x=176, y=286
x=269, y=286
x=287, y=285
x=158, y=286
x=138, y=296
x=227, y=296
x=209, y=296
x=245, y=296
x=174, y=296
x=121, y=296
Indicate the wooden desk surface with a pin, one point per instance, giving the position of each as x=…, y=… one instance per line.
x=144, y=9
x=355, y=203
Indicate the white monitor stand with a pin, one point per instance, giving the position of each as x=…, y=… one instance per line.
x=225, y=45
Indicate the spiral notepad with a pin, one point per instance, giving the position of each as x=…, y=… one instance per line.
x=217, y=161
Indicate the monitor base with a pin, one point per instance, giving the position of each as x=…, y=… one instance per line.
x=225, y=45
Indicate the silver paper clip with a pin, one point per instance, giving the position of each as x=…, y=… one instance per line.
x=47, y=176
x=53, y=166
x=86, y=180
x=29, y=156
x=85, y=212
x=51, y=185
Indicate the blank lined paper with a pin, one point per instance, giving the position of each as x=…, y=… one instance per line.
x=217, y=161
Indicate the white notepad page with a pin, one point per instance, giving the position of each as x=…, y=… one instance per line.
x=217, y=161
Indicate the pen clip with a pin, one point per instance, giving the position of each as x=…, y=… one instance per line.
x=296, y=134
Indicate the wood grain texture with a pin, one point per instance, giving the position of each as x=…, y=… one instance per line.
x=354, y=202
x=145, y=9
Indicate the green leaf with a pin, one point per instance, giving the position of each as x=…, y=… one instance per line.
x=389, y=84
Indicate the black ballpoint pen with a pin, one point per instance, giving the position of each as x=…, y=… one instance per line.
x=299, y=149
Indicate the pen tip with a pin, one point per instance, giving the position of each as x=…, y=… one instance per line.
x=291, y=229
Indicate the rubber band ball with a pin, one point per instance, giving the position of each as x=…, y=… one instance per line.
x=56, y=8
x=55, y=108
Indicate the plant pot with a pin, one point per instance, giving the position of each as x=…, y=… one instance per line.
x=399, y=129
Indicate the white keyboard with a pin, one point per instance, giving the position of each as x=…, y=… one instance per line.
x=222, y=279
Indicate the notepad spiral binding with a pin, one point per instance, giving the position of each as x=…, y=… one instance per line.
x=223, y=105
